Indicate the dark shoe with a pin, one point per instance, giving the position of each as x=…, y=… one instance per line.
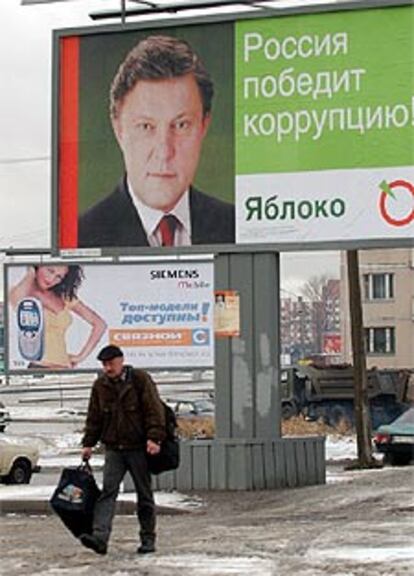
x=147, y=547
x=93, y=543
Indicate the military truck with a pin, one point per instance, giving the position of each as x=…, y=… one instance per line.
x=327, y=393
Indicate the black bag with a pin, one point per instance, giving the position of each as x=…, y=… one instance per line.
x=168, y=458
x=75, y=497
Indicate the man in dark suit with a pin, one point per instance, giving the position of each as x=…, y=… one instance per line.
x=160, y=105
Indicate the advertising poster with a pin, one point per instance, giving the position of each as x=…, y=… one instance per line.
x=226, y=313
x=60, y=315
x=293, y=129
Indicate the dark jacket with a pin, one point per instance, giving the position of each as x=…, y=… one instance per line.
x=124, y=414
x=114, y=221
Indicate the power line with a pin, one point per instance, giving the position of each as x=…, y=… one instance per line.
x=21, y=160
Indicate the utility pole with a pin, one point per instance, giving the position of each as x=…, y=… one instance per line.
x=361, y=403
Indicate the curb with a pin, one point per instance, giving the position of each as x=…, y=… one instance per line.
x=42, y=507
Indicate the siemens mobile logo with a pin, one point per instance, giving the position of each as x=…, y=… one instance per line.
x=174, y=274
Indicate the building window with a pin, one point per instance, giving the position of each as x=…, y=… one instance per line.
x=379, y=286
x=380, y=340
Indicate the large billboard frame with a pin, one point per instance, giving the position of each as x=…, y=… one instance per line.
x=265, y=13
x=110, y=263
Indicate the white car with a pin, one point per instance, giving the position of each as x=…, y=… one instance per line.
x=18, y=460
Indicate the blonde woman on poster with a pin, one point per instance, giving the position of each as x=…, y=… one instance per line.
x=45, y=300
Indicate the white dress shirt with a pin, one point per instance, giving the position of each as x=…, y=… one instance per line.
x=150, y=218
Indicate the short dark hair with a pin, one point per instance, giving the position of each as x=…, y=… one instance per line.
x=109, y=353
x=160, y=58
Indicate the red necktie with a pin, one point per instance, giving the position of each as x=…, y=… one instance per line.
x=167, y=227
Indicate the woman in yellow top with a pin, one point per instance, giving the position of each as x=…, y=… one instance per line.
x=55, y=287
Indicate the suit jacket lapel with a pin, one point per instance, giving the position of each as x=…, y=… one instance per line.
x=129, y=224
x=199, y=220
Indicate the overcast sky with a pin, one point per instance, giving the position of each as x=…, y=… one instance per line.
x=25, y=119
x=25, y=129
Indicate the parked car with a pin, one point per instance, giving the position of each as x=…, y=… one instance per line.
x=18, y=461
x=396, y=440
x=4, y=417
x=200, y=408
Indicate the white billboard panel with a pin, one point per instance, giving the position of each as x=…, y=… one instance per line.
x=310, y=206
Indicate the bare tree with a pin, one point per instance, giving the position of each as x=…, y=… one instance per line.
x=314, y=287
x=318, y=290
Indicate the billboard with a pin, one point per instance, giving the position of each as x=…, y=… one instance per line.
x=332, y=343
x=308, y=137
x=60, y=314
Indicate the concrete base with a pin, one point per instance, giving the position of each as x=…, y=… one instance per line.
x=245, y=464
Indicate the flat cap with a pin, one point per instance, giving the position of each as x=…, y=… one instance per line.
x=109, y=352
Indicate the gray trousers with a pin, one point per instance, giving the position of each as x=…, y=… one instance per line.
x=117, y=463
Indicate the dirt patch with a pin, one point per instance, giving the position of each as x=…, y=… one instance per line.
x=299, y=426
x=196, y=428
x=295, y=426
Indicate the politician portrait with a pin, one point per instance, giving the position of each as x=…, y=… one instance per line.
x=162, y=101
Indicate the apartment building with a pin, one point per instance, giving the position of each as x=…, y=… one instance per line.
x=311, y=326
x=387, y=292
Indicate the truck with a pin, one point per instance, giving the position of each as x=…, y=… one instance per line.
x=327, y=393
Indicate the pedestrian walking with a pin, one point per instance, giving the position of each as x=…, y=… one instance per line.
x=126, y=415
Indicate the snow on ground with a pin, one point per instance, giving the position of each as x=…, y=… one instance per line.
x=183, y=564
x=45, y=413
x=338, y=447
x=60, y=450
x=365, y=553
x=174, y=500
x=206, y=565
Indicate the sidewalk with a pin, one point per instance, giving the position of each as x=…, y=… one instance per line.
x=34, y=500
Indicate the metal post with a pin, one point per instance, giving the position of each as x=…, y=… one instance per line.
x=123, y=9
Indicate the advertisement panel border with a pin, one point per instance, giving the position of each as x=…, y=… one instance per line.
x=311, y=244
